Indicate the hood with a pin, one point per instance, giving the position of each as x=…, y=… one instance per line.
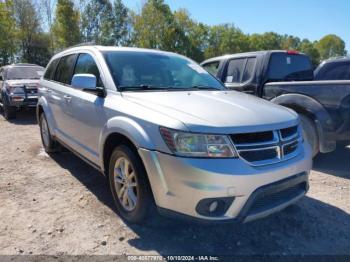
x=27, y=82
x=216, y=111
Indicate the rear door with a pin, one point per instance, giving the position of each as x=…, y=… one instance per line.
x=239, y=74
x=59, y=92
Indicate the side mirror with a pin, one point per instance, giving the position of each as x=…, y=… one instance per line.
x=87, y=82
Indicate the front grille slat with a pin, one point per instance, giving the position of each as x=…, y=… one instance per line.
x=268, y=147
x=259, y=137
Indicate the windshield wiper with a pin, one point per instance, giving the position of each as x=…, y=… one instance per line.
x=138, y=87
x=203, y=87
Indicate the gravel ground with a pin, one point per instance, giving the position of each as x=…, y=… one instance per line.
x=60, y=205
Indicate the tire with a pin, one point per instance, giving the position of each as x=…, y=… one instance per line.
x=136, y=200
x=49, y=144
x=310, y=134
x=9, y=111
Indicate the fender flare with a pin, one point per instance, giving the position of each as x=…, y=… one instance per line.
x=312, y=108
x=127, y=127
x=42, y=102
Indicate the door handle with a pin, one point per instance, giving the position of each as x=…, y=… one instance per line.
x=67, y=98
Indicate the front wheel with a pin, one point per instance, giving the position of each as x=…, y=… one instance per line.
x=9, y=111
x=129, y=185
x=310, y=134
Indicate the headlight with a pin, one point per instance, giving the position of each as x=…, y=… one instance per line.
x=198, y=145
x=15, y=89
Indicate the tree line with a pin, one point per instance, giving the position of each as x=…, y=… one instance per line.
x=33, y=30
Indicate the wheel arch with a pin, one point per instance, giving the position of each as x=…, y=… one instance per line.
x=121, y=130
x=43, y=107
x=313, y=109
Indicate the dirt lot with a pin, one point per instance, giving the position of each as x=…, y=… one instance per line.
x=63, y=206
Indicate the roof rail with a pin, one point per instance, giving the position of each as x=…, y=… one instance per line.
x=77, y=45
x=23, y=64
x=83, y=44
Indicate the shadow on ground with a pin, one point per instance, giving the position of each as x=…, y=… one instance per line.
x=336, y=163
x=309, y=227
x=24, y=117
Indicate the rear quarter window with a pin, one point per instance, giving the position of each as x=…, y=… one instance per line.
x=64, y=69
x=50, y=71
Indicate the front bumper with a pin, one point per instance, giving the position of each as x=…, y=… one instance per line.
x=23, y=100
x=179, y=184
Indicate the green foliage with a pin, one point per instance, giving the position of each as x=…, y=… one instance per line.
x=7, y=32
x=30, y=35
x=225, y=39
x=331, y=46
x=309, y=48
x=65, y=30
x=121, y=24
x=98, y=22
x=154, y=26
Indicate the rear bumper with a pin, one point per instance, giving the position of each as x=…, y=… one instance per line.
x=179, y=184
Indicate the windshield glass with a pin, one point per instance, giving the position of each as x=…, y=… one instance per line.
x=146, y=70
x=289, y=67
x=23, y=72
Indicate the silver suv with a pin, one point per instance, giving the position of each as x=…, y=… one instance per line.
x=167, y=134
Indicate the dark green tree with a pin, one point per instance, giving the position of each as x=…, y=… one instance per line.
x=98, y=23
x=66, y=31
x=226, y=39
x=121, y=23
x=28, y=26
x=8, y=36
x=331, y=46
x=309, y=48
x=155, y=27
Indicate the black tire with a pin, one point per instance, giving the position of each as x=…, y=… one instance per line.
x=9, y=111
x=50, y=145
x=145, y=202
x=310, y=134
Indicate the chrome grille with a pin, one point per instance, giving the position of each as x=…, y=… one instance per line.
x=269, y=147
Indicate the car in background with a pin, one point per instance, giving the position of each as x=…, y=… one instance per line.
x=286, y=78
x=19, y=87
x=333, y=69
x=167, y=134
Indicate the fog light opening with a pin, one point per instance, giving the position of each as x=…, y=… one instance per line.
x=214, y=207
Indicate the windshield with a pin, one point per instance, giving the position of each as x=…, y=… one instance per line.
x=289, y=67
x=154, y=71
x=23, y=72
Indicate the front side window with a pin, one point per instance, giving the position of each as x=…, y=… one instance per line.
x=148, y=70
x=235, y=70
x=64, y=69
x=212, y=67
x=86, y=65
x=24, y=72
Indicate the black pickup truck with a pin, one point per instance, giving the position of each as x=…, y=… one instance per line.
x=287, y=78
